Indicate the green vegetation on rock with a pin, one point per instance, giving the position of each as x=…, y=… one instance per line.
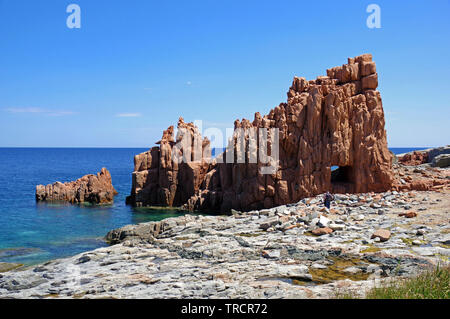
x=4, y=267
x=431, y=284
x=336, y=271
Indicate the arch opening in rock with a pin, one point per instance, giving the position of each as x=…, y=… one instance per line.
x=342, y=179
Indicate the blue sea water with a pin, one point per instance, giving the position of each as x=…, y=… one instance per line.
x=32, y=232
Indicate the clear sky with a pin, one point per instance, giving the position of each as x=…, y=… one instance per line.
x=135, y=66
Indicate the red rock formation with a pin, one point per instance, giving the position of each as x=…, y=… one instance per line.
x=413, y=159
x=428, y=179
x=335, y=120
x=96, y=189
x=161, y=180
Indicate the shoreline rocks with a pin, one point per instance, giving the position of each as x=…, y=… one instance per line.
x=96, y=189
x=197, y=256
x=436, y=157
x=442, y=160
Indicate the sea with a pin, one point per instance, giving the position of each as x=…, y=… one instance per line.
x=32, y=233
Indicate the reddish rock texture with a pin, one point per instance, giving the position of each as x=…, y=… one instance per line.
x=335, y=120
x=97, y=189
x=383, y=234
x=408, y=214
x=427, y=179
x=413, y=159
x=322, y=231
x=160, y=180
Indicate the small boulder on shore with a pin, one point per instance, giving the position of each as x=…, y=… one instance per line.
x=95, y=189
x=322, y=231
x=408, y=214
x=442, y=160
x=383, y=234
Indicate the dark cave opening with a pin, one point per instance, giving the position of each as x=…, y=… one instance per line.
x=342, y=174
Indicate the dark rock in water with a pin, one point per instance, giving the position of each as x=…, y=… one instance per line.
x=96, y=189
x=334, y=120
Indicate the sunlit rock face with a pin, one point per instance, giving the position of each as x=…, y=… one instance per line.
x=94, y=189
x=333, y=121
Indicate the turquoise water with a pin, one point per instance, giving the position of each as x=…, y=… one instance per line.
x=31, y=232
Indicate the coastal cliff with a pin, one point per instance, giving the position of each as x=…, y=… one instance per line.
x=335, y=120
x=97, y=189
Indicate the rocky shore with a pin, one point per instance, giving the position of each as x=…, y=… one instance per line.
x=435, y=157
x=299, y=250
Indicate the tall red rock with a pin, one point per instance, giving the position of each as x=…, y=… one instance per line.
x=160, y=179
x=335, y=120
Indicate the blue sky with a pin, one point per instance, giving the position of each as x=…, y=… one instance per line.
x=135, y=66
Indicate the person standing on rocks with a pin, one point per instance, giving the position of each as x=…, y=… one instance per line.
x=327, y=199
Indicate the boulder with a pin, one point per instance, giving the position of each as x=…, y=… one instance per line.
x=323, y=221
x=96, y=189
x=432, y=153
x=269, y=223
x=442, y=160
x=383, y=234
x=414, y=158
x=147, y=231
x=408, y=214
x=322, y=231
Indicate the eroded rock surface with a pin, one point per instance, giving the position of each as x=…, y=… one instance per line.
x=196, y=256
x=335, y=120
x=159, y=179
x=437, y=157
x=415, y=158
x=421, y=178
x=97, y=189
